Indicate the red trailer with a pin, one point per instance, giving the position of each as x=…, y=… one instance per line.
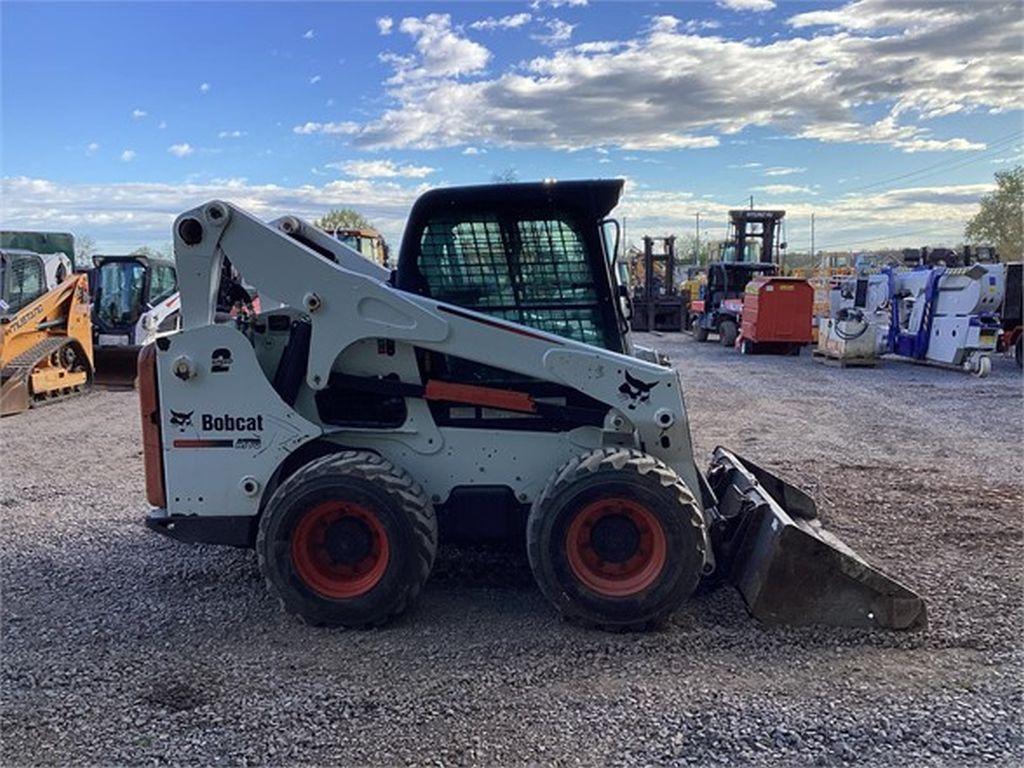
x=776, y=315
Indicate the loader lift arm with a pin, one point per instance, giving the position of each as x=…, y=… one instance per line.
x=347, y=306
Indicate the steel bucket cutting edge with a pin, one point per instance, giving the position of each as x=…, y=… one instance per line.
x=789, y=569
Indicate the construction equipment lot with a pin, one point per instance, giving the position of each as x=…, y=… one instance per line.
x=122, y=647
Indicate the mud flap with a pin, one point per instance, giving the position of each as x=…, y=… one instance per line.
x=769, y=544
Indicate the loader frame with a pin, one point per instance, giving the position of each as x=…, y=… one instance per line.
x=624, y=400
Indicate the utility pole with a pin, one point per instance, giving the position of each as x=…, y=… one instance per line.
x=751, y=202
x=696, y=247
x=812, y=240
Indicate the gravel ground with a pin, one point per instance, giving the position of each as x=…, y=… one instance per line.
x=122, y=647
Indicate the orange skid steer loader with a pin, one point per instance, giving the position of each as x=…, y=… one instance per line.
x=46, y=347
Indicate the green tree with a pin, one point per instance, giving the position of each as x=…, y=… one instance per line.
x=999, y=222
x=508, y=176
x=343, y=218
x=159, y=253
x=85, y=249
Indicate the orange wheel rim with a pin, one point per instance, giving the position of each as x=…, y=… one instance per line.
x=616, y=547
x=340, y=549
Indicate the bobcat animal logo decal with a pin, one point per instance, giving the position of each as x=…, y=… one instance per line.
x=181, y=420
x=635, y=390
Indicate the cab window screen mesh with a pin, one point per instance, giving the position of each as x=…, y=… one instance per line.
x=464, y=263
x=25, y=282
x=531, y=272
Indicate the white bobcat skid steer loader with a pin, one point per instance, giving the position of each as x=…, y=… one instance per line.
x=338, y=434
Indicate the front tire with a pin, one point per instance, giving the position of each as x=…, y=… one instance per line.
x=616, y=540
x=727, y=333
x=348, y=540
x=700, y=333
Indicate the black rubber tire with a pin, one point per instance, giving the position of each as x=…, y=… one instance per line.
x=616, y=471
x=727, y=333
x=700, y=333
x=399, y=504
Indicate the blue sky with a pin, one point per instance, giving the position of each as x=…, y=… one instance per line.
x=886, y=120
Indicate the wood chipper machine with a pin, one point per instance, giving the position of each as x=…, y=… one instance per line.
x=343, y=432
x=45, y=332
x=776, y=316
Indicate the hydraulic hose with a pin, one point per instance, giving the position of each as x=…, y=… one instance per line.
x=850, y=314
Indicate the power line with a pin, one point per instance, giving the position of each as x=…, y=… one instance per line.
x=905, y=233
x=994, y=148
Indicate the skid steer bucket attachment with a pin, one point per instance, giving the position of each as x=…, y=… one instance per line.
x=770, y=545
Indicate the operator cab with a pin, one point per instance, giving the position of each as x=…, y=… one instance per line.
x=21, y=280
x=536, y=254
x=125, y=287
x=367, y=242
x=27, y=275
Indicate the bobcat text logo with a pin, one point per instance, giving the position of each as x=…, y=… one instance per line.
x=181, y=419
x=635, y=390
x=229, y=423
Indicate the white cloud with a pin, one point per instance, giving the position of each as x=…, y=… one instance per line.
x=123, y=215
x=474, y=151
x=559, y=32
x=309, y=34
x=782, y=170
x=784, y=189
x=344, y=128
x=181, y=150
x=381, y=169
x=204, y=87
x=754, y=6
x=163, y=124
x=513, y=21
x=231, y=134
x=886, y=131
x=385, y=24
x=442, y=51
x=314, y=79
x=92, y=148
x=138, y=114
x=536, y=4
x=747, y=165
x=128, y=155
x=669, y=87
x=851, y=219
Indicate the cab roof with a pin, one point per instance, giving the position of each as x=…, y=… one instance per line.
x=145, y=260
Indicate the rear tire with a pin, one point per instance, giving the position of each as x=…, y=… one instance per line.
x=347, y=540
x=727, y=333
x=616, y=540
x=700, y=333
